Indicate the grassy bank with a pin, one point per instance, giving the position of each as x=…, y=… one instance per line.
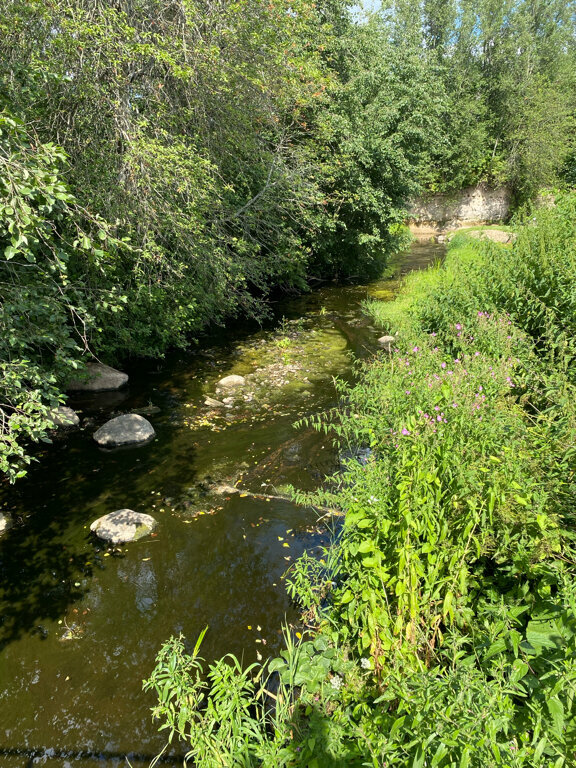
x=444, y=614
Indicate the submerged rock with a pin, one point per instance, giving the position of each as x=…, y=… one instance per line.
x=64, y=417
x=123, y=525
x=128, y=429
x=99, y=378
x=232, y=381
x=5, y=522
x=148, y=410
x=214, y=403
x=386, y=342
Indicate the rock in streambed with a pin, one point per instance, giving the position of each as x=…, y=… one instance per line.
x=386, y=342
x=123, y=526
x=99, y=378
x=128, y=429
x=231, y=381
x=5, y=522
x=64, y=417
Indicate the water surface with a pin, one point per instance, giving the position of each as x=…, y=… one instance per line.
x=81, y=623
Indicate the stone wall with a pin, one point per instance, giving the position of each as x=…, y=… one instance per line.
x=434, y=214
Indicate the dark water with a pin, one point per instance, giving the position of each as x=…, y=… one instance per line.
x=80, y=624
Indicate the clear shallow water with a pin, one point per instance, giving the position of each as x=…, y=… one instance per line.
x=80, y=624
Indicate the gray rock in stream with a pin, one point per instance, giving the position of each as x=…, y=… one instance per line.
x=129, y=429
x=123, y=526
x=386, y=342
x=64, y=417
x=99, y=378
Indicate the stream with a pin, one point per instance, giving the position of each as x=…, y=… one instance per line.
x=81, y=622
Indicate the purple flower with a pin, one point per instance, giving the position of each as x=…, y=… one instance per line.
x=405, y=431
x=458, y=327
x=443, y=365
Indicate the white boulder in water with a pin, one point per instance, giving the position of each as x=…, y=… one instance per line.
x=232, y=381
x=129, y=429
x=123, y=525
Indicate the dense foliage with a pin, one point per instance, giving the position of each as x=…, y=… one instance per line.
x=443, y=615
x=208, y=153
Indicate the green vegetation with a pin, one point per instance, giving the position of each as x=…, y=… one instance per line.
x=444, y=613
x=164, y=167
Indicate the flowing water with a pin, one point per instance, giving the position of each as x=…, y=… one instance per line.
x=80, y=622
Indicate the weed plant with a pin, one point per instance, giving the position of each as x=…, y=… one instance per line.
x=444, y=612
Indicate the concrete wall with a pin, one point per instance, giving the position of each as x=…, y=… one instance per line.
x=473, y=205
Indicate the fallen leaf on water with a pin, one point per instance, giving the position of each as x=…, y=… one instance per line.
x=285, y=544
x=144, y=559
x=243, y=495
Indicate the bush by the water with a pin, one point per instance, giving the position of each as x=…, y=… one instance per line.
x=444, y=613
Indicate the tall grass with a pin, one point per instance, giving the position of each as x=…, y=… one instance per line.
x=446, y=606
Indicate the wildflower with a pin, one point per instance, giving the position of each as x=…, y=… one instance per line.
x=365, y=663
x=458, y=327
x=405, y=431
x=438, y=418
x=416, y=349
x=336, y=682
x=407, y=391
x=443, y=365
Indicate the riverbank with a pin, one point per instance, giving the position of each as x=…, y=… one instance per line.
x=443, y=627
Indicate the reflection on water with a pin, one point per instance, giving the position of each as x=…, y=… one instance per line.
x=80, y=624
